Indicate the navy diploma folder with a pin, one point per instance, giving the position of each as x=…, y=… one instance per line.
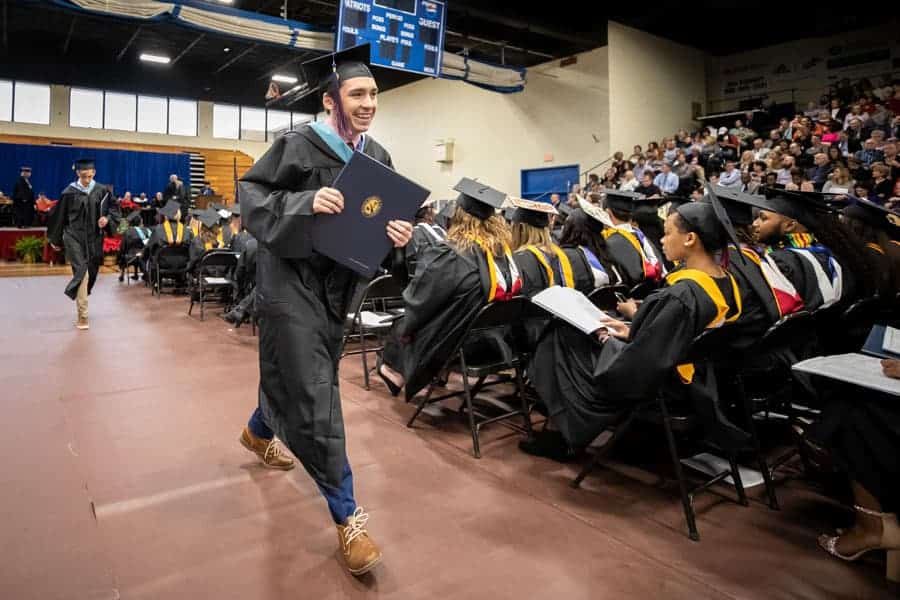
x=373, y=195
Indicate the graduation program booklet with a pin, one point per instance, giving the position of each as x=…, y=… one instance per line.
x=859, y=369
x=373, y=195
x=571, y=306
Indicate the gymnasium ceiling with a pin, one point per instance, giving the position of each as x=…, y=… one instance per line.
x=40, y=41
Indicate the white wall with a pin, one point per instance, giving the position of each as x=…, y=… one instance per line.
x=801, y=64
x=59, y=129
x=497, y=135
x=652, y=84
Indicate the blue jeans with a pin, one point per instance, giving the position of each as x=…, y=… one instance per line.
x=341, y=502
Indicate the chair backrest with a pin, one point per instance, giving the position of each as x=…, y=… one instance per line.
x=605, y=298
x=709, y=342
x=217, y=258
x=169, y=255
x=497, y=314
x=643, y=289
x=382, y=288
x=789, y=330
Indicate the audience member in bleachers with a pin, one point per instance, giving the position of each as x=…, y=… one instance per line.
x=730, y=177
x=647, y=187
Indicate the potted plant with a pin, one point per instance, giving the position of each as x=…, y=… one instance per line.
x=29, y=249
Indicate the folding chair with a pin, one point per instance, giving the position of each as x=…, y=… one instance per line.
x=372, y=316
x=643, y=289
x=170, y=262
x=492, y=322
x=133, y=261
x=605, y=298
x=658, y=412
x=212, y=273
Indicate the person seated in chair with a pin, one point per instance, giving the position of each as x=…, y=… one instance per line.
x=171, y=232
x=212, y=237
x=239, y=236
x=879, y=229
x=134, y=240
x=452, y=283
x=630, y=247
x=590, y=382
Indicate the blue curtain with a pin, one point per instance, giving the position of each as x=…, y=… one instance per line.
x=126, y=170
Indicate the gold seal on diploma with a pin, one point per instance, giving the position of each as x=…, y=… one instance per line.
x=371, y=206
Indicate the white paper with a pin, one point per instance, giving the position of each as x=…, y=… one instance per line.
x=571, y=306
x=375, y=319
x=215, y=281
x=858, y=369
x=891, y=341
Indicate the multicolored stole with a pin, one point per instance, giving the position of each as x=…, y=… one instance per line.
x=708, y=285
x=566, y=279
x=787, y=300
x=499, y=289
x=830, y=284
x=601, y=277
x=178, y=238
x=651, y=268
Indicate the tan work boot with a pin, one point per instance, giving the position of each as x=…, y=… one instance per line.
x=360, y=553
x=268, y=451
x=82, y=323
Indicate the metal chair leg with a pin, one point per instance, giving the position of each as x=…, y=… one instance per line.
x=467, y=396
x=601, y=452
x=686, y=502
x=422, y=404
x=526, y=414
x=365, y=363
x=202, y=315
x=767, y=478
x=738, y=483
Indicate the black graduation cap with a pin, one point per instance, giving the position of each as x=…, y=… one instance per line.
x=478, y=199
x=346, y=64
x=739, y=205
x=208, y=217
x=874, y=215
x=170, y=209
x=800, y=206
x=134, y=217
x=532, y=212
x=711, y=222
x=83, y=163
x=619, y=200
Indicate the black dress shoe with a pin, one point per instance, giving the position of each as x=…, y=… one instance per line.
x=548, y=444
x=392, y=387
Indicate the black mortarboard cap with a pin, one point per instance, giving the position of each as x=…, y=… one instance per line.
x=478, y=199
x=800, y=206
x=170, y=209
x=874, y=215
x=532, y=212
x=83, y=163
x=208, y=217
x=739, y=205
x=134, y=217
x=622, y=201
x=346, y=64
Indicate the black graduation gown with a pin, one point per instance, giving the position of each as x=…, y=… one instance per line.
x=23, y=202
x=73, y=224
x=302, y=299
x=132, y=244
x=240, y=240
x=628, y=258
x=588, y=385
x=158, y=241
x=759, y=309
x=445, y=294
x=197, y=249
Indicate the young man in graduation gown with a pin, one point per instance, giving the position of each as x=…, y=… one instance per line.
x=171, y=232
x=23, y=199
x=627, y=244
x=303, y=297
x=134, y=240
x=589, y=382
x=78, y=222
x=452, y=283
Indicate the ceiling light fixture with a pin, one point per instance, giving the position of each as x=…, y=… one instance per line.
x=156, y=58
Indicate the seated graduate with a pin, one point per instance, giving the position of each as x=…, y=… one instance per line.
x=589, y=382
x=452, y=283
x=584, y=230
x=425, y=233
x=879, y=229
x=171, y=232
x=858, y=435
x=627, y=244
x=135, y=238
x=239, y=236
x=211, y=237
x=818, y=255
x=245, y=283
x=541, y=262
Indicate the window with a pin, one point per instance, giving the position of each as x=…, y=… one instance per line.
x=6, y=88
x=152, y=114
x=253, y=124
x=226, y=121
x=182, y=117
x=299, y=119
x=119, y=111
x=32, y=103
x=277, y=122
x=86, y=108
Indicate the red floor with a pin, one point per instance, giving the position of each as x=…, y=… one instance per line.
x=124, y=479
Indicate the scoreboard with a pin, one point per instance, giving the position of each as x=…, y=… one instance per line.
x=404, y=34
